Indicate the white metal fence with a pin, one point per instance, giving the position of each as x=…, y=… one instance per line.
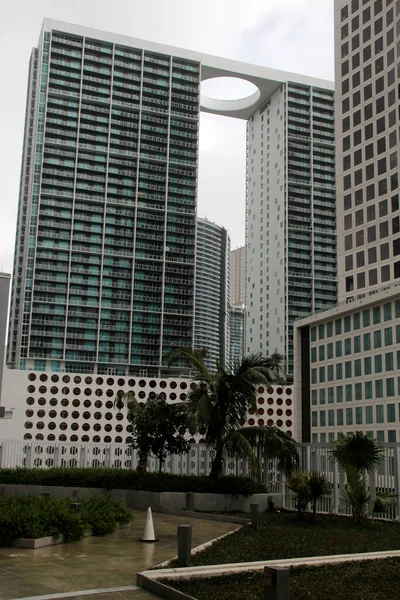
x=197, y=461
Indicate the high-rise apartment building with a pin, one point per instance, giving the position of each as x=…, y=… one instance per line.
x=104, y=258
x=348, y=357
x=4, y=295
x=211, y=322
x=236, y=332
x=290, y=216
x=105, y=246
x=238, y=276
x=367, y=133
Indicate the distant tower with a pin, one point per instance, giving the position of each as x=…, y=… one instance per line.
x=238, y=276
x=4, y=294
x=237, y=332
x=211, y=324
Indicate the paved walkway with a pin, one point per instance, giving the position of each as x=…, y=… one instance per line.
x=95, y=564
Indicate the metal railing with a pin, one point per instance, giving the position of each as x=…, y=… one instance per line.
x=198, y=460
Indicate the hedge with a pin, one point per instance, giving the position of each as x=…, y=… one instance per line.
x=130, y=480
x=32, y=518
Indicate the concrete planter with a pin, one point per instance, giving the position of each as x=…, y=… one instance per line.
x=34, y=543
x=141, y=500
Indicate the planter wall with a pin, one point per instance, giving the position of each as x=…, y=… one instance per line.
x=156, y=500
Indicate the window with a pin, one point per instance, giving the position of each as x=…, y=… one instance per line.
x=322, y=374
x=349, y=392
x=313, y=375
x=339, y=416
x=384, y=251
x=330, y=372
x=372, y=256
x=368, y=390
x=313, y=334
x=367, y=341
x=321, y=331
x=349, y=416
x=373, y=276
x=369, y=415
x=329, y=350
x=358, y=391
x=347, y=346
x=388, y=336
x=366, y=318
x=314, y=418
x=383, y=229
x=313, y=355
x=322, y=418
x=378, y=363
x=379, y=414
x=397, y=309
x=371, y=212
x=347, y=324
x=391, y=413
x=389, y=362
x=338, y=327
x=329, y=329
x=339, y=393
x=357, y=344
x=331, y=395
x=359, y=415
x=322, y=353
x=379, y=388
x=367, y=365
x=314, y=397
x=376, y=315
x=377, y=339
x=322, y=396
x=348, y=369
x=385, y=273
x=371, y=234
x=339, y=371
x=390, y=387
x=338, y=348
x=331, y=418
x=387, y=311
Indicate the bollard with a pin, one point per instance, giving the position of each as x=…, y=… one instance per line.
x=276, y=583
x=76, y=507
x=184, y=545
x=270, y=504
x=255, y=516
x=45, y=494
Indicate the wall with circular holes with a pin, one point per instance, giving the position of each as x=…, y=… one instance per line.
x=80, y=408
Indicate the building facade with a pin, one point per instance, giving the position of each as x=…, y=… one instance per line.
x=348, y=358
x=211, y=322
x=367, y=134
x=4, y=295
x=60, y=407
x=105, y=246
x=290, y=214
x=238, y=276
x=236, y=332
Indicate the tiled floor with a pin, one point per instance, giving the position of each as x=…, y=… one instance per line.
x=98, y=562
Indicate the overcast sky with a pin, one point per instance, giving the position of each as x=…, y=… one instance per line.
x=292, y=35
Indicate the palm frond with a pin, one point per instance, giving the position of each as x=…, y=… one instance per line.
x=357, y=450
x=195, y=360
x=274, y=443
x=237, y=445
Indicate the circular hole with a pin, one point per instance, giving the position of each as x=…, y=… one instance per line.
x=131, y=383
x=62, y=437
x=96, y=427
x=109, y=404
x=76, y=391
x=260, y=401
x=42, y=389
x=51, y=425
x=51, y=437
x=53, y=401
x=260, y=411
x=41, y=413
x=99, y=381
x=52, y=414
x=260, y=389
x=77, y=379
x=251, y=411
x=193, y=386
x=142, y=383
x=64, y=414
x=279, y=423
x=109, y=393
x=88, y=392
x=279, y=412
x=251, y=421
x=43, y=377
x=121, y=382
x=99, y=393
x=173, y=385
x=118, y=439
x=75, y=426
x=288, y=423
x=87, y=404
x=63, y=426
x=270, y=401
x=64, y=402
x=31, y=377
x=288, y=392
x=31, y=389
x=85, y=438
x=110, y=381
x=289, y=402
x=75, y=414
x=76, y=403
x=107, y=427
x=40, y=425
x=66, y=379
x=172, y=396
x=86, y=415
x=29, y=413
x=55, y=378
x=86, y=427
x=270, y=412
x=42, y=401
x=279, y=401
x=270, y=422
x=65, y=391
x=183, y=385
x=107, y=439
x=279, y=391
x=88, y=380
x=152, y=383
x=30, y=401
x=142, y=394
x=261, y=422
x=119, y=416
x=27, y=436
x=288, y=412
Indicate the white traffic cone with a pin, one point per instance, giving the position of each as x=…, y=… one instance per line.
x=148, y=534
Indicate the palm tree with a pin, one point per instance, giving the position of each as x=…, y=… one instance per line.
x=128, y=400
x=218, y=406
x=319, y=487
x=357, y=454
x=308, y=487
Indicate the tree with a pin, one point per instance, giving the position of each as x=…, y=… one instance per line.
x=217, y=409
x=357, y=454
x=308, y=487
x=158, y=428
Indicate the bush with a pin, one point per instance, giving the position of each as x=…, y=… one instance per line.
x=29, y=517
x=125, y=479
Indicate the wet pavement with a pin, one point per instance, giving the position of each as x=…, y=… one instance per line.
x=95, y=564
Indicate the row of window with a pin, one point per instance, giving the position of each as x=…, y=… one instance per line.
x=381, y=436
x=358, y=391
x=353, y=322
x=359, y=416
x=376, y=364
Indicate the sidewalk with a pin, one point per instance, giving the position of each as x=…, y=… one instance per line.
x=98, y=563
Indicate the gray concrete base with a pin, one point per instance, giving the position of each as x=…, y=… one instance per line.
x=34, y=543
x=157, y=501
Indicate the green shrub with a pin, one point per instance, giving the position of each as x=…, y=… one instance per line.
x=125, y=479
x=30, y=517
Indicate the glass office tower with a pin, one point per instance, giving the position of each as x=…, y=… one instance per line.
x=105, y=245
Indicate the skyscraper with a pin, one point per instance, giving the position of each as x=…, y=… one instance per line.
x=238, y=276
x=367, y=133
x=211, y=322
x=348, y=357
x=4, y=294
x=290, y=215
x=236, y=332
x=104, y=257
x=105, y=245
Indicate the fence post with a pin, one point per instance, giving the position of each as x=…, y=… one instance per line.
x=396, y=475
x=372, y=488
x=255, y=515
x=1, y=454
x=82, y=458
x=107, y=457
x=56, y=460
x=342, y=484
x=276, y=583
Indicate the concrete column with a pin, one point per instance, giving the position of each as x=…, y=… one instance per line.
x=255, y=515
x=276, y=583
x=184, y=545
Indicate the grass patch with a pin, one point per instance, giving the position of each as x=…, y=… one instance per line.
x=282, y=535
x=29, y=517
x=126, y=479
x=366, y=580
